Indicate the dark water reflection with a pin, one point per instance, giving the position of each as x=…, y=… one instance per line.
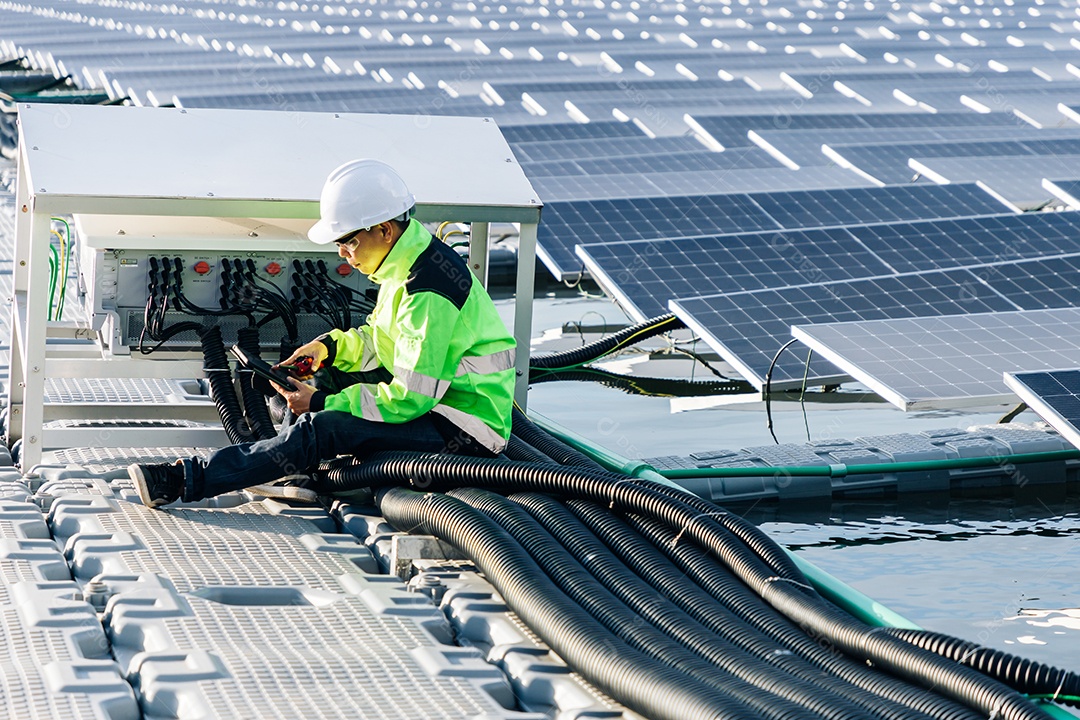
x=999, y=571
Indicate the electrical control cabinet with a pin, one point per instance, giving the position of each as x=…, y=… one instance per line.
x=223, y=271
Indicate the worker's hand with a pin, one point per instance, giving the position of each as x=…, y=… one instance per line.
x=299, y=399
x=314, y=350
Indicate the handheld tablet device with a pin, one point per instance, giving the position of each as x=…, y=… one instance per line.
x=262, y=368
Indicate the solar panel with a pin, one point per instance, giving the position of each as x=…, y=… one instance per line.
x=568, y=131
x=803, y=147
x=569, y=223
x=1054, y=395
x=1068, y=191
x=700, y=161
x=1017, y=179
x=603, y=147
x=947, y=361
x=714, y=182
x=645, y=274
x=888, y=163
x=969, y=241
x=852, y=206
x=748, y=328
x=730, y=131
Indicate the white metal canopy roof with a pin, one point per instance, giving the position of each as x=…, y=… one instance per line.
x=267, y=163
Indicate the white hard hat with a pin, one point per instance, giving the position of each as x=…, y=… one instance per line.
x=359, y=194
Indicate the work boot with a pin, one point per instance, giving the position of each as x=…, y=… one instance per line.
x=158, y=484
x=291, y=487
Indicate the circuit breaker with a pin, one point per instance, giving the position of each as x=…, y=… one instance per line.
x=230, y=272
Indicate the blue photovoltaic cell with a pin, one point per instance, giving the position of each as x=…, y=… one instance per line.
x=1054, y=395
x=569, y=223
x=748, y=328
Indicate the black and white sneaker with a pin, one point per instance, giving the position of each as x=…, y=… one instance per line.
x=158, y=485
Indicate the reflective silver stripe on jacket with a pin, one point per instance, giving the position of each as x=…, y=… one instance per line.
x=473, y=425
x=369, y=408
x=486, y=364
x=421, y=384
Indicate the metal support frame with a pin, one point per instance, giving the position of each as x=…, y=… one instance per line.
x=478, y=251
x=523, y=309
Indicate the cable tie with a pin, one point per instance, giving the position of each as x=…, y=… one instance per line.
x=1064, y=674
x=997, y=711
x=778, y=578
x=611, y=500
x=675, y=540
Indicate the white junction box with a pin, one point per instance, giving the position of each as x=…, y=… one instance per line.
x=214, y=259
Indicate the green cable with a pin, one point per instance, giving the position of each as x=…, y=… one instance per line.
x=871, y=469
x=54, y=260
x=1062, y=698
x=64, y=269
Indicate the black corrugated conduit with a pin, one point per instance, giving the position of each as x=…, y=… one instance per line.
x=255, y=409
x=760, y=543
x=645, y=601
x=600, y=348
x=735, y=597
x=626, y=494
x=555, y=449
x=518, y=449
x=621, y=619
x=644, y=385
x=216, y=368
x=581, y=587
x=639, y=682
x=1027, y=676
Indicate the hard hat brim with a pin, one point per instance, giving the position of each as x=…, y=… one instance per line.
x=322, y=234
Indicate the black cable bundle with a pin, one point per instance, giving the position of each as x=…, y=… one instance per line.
x=216, y=368
x=526, y=430
x=798, y=603
x=1027, y=676
x=599, y=348
x=255, y=409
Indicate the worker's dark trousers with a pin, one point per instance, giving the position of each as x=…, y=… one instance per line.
x=300, y=447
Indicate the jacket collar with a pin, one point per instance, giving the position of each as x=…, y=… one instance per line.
x=400, y=259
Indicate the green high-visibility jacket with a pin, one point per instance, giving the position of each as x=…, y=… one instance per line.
x=436, y=330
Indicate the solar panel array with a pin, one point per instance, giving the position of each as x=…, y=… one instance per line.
x=566, y=224
x=660, y=135
x=818, y=261
x=647, y=273
x=947, y=361
x=748, y=328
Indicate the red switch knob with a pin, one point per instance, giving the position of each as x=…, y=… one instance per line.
x=344, y=269
x=273, y=268
x=202, y=267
